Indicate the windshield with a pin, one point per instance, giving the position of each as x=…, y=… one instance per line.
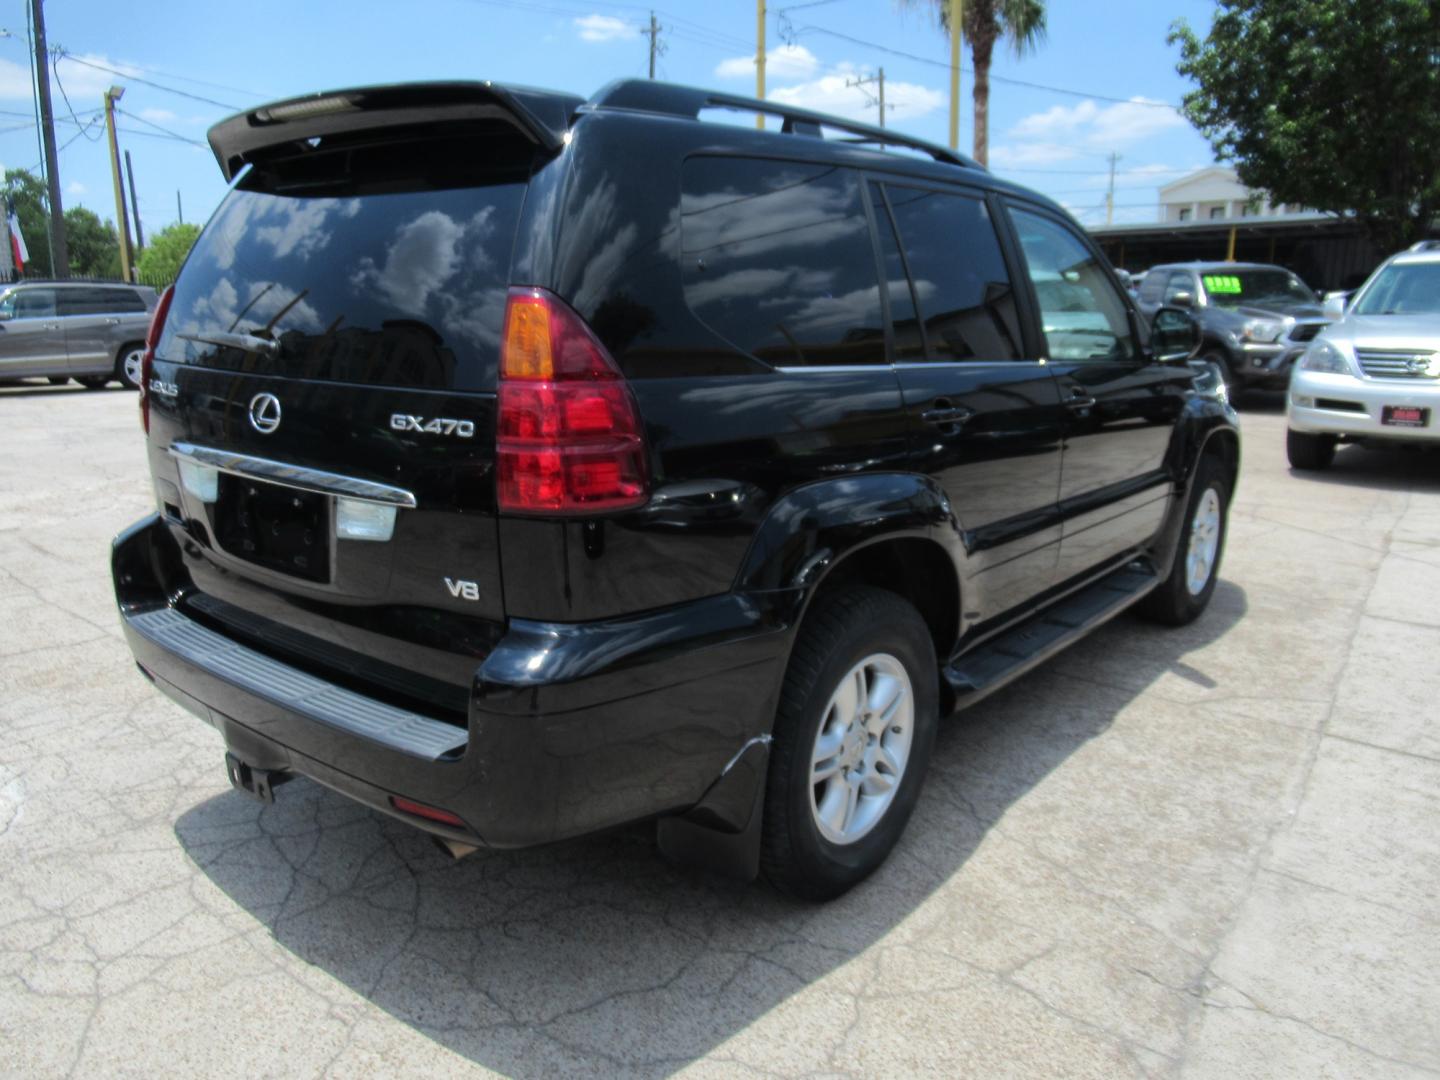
x=1247, y=288
x=1402, y=289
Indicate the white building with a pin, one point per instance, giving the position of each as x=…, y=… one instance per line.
x=1216, y=194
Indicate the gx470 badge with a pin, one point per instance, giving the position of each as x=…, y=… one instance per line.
x=461, y=429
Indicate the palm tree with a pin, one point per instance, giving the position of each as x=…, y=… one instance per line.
x=984, y=22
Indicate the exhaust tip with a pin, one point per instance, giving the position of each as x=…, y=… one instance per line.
x=453, y=848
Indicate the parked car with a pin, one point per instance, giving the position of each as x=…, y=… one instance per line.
x=1374, y=376
x=527, y=466
x=89, y=331
x=1256, y=319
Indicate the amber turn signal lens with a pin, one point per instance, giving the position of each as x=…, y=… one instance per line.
x=526, y=353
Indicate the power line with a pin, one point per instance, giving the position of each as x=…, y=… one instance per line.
x=147, y=82
x=993, y=77
x=164, y=130
x=58, y=52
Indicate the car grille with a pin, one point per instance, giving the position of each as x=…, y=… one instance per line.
x=1396, y=363
x=1306, y=331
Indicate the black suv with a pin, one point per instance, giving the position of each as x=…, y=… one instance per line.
x=1255, y=319
x=527, y=466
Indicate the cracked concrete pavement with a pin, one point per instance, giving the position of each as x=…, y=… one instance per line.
x=1209, y=852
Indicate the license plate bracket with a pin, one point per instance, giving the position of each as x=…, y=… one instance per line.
x=277, y=527
x=1405, y=416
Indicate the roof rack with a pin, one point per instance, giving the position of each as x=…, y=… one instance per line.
x=645, y=95
x=1425, y=245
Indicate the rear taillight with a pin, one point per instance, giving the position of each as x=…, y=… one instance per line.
x=569, y=438
x=157, y=326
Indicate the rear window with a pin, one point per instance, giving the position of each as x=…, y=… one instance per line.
x=97, y=300
x=381, y=262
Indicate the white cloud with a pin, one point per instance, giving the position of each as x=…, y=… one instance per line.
x=602, y=28
x=158, y=116
x=786, y=62
x=1096, y=126
x=829, y=93
x=75, y=187
x=1036, y=155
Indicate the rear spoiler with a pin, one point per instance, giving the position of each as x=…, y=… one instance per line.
x=542, y=116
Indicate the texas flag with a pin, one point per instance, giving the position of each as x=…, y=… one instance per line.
x=17, y=240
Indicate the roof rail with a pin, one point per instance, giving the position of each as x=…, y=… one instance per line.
x=645, y=95
x=1425, y=245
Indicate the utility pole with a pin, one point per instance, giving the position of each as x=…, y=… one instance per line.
x=134, y=206
x=114, y=94
x=1110, y=195
x=955, y=17
x=760, y=59
x=879, y=81
x=59, y=251
x=656, y=49
x=179, y=210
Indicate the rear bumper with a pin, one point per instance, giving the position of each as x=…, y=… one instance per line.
x=571, y=728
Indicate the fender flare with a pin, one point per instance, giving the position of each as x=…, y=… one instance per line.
x=812, y=528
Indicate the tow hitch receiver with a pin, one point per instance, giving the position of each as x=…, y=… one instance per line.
x=257, y=783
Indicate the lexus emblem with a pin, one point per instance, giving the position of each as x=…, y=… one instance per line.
x=265, y=413
x=1419, y=365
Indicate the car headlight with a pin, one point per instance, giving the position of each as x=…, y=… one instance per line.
x=1262, y=330
x=1322, y=356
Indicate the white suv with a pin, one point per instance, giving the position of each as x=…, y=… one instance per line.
x=1374, y=376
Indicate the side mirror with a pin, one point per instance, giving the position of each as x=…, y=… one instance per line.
x=1334, y=306
x=1174, y=335
x=1182, y=299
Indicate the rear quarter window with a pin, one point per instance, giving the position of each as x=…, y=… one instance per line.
x=777, y=259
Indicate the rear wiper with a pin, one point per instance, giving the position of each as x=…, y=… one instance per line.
x=248, y=342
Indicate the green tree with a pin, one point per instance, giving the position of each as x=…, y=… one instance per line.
x=1331, y=104
x=983, y=24
x=27, y=195
x=94, y=244
x=161, y=259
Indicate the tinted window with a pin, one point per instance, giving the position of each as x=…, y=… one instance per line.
x=123, y=300
x=1178, y=283
x=1081, y=311
x=778, y=260
x=97, y=300
x=1154, y=286
x=35, y=304
x=961, y=285
x=388, y=265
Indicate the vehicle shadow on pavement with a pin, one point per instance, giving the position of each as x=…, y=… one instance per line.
x=596, y=953
x=1382, y=470
x=23, y=390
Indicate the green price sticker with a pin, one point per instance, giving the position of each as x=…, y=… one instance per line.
x=1222, y=283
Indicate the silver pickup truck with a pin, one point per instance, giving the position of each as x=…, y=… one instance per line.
x=89, y=331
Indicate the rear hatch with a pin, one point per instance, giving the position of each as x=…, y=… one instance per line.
x=322, y=403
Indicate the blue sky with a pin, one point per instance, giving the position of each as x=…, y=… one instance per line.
x=236, y=55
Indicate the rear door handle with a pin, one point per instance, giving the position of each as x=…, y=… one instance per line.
x=112, y=322
x=1080, y=398
x=944, y=414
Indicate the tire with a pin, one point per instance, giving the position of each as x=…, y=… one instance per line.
x=127, y=364
x=1186, y=592
x=94, y=382
x=854, y=634
x=1309, y=452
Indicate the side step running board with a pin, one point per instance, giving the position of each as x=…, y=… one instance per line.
x=299, y=691
x=992, y=664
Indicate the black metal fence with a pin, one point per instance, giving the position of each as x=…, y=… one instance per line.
x=156, y=282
